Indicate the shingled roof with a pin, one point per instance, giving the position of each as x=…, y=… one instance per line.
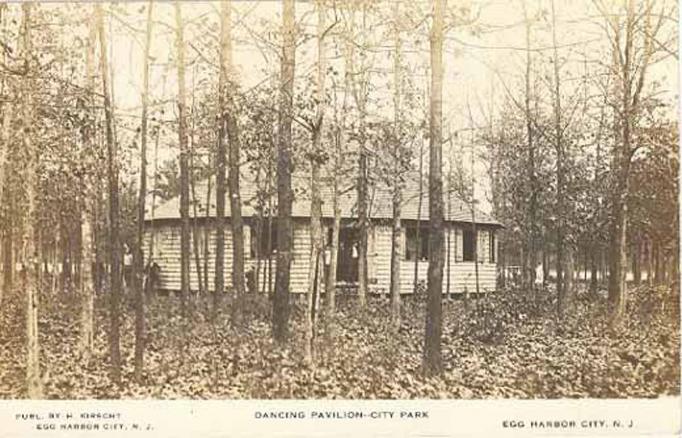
x=380, y=200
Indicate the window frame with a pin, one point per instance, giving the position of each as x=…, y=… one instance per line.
x=255, y=240
x=468, y=231
x=420, y=254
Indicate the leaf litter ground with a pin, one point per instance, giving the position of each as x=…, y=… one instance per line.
x=504, y=345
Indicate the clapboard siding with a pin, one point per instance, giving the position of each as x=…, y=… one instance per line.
x=461, y=275
x=167, y=256
x=380, y=278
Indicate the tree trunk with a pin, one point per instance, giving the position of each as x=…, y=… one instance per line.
x=340, y=123
x=432, y=348
x=396, y=254
x=618, y=253
x=112, y=174
x=363, y=226
x=236, y=220
x=586, y=263
x=333, y=253
x=675, y=265
x=184, y=166
x=207, y=230
x=7, y=259
x=545, y=267
x=195, y=199
x=87, y=332
x=152, y=237
x=665, y=266
x=658, y=274
x=569, y=276
x=315, y=200
x=618, y=234
x=5, y=131
x=650, y=262
x=280, y=314
x=420, y=200
x=7, y=223
x=30, y=257
x=220, y=163
x=473, y=211
x=529, y=269
x=64, y=248
x=139, y=254
x=397, y=233
x=76, y=250
x=259, y=221
x=57, y=272
x=631, y=71
x=448, y=243
x=594, y=281
x=359, y=84
x=87, y=286
x=501, y=268
x=559, y=146
x=269, y=244
x=637, y=262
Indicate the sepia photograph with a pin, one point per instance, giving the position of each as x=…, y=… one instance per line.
x=340, y=200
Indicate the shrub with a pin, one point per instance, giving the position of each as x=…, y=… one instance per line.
x=488, y=318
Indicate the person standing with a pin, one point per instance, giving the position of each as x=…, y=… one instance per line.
x=127, y=267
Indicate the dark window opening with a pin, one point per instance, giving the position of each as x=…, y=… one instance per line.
x=468, y=245
x=492, y=247
x=347, y=256
x=414, y=249
x=261, y=245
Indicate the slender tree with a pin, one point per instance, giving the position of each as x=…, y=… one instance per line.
x=432, y=342
x=360, y=91
x=396, y=232
x=474, y=227
x=220, y=163
x=562, y=290
x=5, y=131
x=184, y=160
x=29, y=247
x=142, y=197
x=420, y=201
x=315, y=263
x=338, y=163
x=112, y=177
x=87, y=215
x=207, y=230
x=631, y=63
x=280, y=314
x=232, y=127
x=196, y=247
x=155, y=181
x=531, y=251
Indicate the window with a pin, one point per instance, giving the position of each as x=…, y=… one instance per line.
x=468, y=245
x=264, y=247
x=492, y=246
x=411, y=250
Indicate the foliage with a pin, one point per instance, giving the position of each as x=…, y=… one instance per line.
x=520, y=352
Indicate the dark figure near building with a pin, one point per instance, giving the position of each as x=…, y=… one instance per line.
x=151, y=277
x=128, y=268
x=251, y=281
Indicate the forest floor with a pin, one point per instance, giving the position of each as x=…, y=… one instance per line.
x=506, y=345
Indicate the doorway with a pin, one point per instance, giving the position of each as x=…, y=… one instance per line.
x=347, y=267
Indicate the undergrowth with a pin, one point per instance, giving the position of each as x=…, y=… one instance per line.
x=508, y=344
